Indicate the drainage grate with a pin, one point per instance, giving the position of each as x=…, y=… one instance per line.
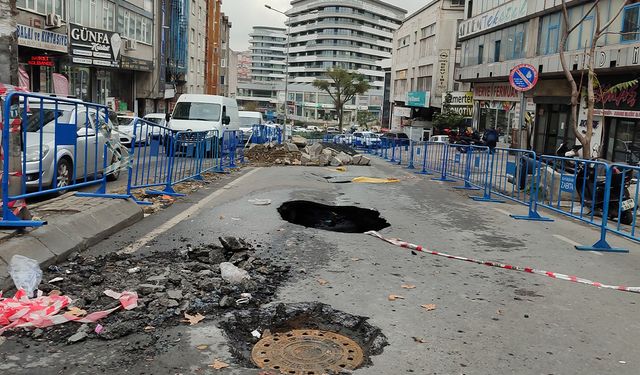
x=307, y=352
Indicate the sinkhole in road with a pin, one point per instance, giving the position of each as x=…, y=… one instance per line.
x=344, y=219
x=302, y=338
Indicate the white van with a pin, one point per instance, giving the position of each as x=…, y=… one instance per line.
x=195, y=112
x=247, y=120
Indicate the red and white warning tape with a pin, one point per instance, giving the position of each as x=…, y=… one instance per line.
x=553, y=275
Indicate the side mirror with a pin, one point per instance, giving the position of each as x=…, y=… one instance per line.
x=226, y=120
x=167, y=117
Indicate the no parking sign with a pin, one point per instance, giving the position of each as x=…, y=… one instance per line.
x=523, y=77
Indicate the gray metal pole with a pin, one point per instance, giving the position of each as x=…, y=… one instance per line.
x=523, y=110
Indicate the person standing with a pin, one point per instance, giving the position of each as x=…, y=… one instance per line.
x=490, y=138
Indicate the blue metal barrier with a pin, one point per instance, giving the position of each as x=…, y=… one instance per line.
x=444, y=154
x=624, y=199
x=53, y=145
x=261, y=134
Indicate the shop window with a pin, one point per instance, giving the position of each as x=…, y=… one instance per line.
x=624, y=141
x=631, y=23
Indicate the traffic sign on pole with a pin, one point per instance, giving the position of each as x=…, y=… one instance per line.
x=523, y=77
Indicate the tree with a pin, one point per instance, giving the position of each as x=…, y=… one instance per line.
x=365, y=118
x=589, y=62
x=8, y=43
x=342, y=86
x=448, y=118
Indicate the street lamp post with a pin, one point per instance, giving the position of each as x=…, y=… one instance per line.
x=286, y=66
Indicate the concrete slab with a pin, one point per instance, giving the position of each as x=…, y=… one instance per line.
x=29, y=247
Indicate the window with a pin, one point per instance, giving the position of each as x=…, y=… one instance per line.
x=496, y=51
x=630, y=23
x=42, y=6
x=457, y=3
x=480, y=53
x=135, y=26
x=197, y=111
x=94, y=13
x=193, y=7
x=549, y=34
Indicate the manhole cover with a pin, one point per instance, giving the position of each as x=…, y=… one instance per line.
x=307, y=352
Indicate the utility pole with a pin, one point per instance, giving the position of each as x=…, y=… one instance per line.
x=8, y=42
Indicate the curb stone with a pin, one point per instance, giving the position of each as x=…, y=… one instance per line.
x=69, y=233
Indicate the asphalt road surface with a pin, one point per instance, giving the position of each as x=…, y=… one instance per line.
x=486, y=320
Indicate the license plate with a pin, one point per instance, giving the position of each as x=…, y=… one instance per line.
x=629, y=204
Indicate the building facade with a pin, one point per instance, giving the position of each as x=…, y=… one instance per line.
x=530, y=31
x=267, y=64
x=425, y=56
x=100, y=51
x=197, y=47
x=349, y=34
x=225, y=56
x=212, y=48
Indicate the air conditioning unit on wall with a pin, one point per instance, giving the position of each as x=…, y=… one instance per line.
x=130, y=45
x=53, y=20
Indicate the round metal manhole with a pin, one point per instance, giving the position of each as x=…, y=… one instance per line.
x=307, y=352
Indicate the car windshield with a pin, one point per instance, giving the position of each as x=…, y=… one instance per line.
x=197, y=111
x=155, y=120
x=125, y=121
x=247, y=122
x=38, y=118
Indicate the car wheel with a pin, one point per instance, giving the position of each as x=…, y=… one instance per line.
x=113, y=176
x=64, y=174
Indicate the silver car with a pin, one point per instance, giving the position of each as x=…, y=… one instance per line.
x=47, y=152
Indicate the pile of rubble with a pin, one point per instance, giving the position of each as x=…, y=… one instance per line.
x=317, y=154
x=172, y=286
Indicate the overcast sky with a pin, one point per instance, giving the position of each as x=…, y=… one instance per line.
x=244, y=14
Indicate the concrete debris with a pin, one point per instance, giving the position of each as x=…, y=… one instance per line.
x=183, y=280
x=317, y=154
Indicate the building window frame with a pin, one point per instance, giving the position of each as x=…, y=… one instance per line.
x=626, y=12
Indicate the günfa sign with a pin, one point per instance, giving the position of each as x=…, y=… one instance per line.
x=94, y=47
x=419, y=99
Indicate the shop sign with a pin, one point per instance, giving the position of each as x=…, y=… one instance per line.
x=94, y=47
x=41, y=61
x=499, y=16
x=624, y=102
x=442, y=82
x=42, y=39
x=495, y=91
x=131, y=63
x=402, y=112
x=419, y=99
x=460, y=102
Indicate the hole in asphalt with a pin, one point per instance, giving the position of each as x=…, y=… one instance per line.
x=344, y=219
x=319, y=339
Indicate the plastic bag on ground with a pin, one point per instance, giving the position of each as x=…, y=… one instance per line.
x=233, y=274
x=26, y=273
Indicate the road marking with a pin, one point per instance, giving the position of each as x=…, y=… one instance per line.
x=572, y=242
x=182, y=216
x=502, y=211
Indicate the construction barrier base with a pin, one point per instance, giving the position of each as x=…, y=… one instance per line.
x=485, y=199
x=169, y=191
x=443, y=179
x=470, y=188
x=100, y=195
x=602, y=246
x=533, y=216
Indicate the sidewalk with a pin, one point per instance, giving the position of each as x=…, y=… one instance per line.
x=74, y=224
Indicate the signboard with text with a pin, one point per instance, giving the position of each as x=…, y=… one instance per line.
x=442, y=81
x=94, y=47
x=460, y=102
x=42, y=39
x=501, y=15
x=419, y=99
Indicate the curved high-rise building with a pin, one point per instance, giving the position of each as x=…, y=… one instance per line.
x=351, y=34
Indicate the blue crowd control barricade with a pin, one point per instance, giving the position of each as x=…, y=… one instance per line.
x=463, y=165
x=434, y=154
x=490, y=167
x=579, y=189
x=514, y=176
x=423, y=156
x=150, y=166
x=53, y=145
x=624, y=200
x=442, y=157
x=210, y=153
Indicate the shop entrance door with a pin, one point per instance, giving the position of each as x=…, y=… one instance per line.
x=552, y=128
x=104, y=85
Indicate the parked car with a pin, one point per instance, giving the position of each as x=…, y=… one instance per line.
x=343, y=139
x=156, y=118
x=439, y=139
x=126, y=129
x=86, y=158
x=366, y=139
x=398, y=137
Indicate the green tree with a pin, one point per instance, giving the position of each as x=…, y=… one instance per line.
x=448, y=119
x=342, y=86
